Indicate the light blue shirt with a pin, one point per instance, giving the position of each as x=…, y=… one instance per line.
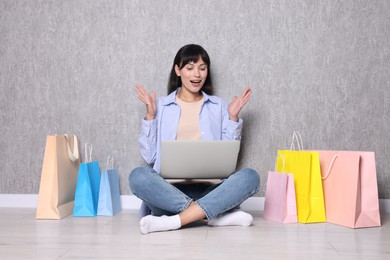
x=214, y=124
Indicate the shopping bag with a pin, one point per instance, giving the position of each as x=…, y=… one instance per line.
x=58, y=177
x=350, y=188
x=305, y=166
x=87, y=188
x=280, y=204
x=109, y=195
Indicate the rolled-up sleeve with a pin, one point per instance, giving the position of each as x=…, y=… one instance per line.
x=232, y=130
x=148, y=140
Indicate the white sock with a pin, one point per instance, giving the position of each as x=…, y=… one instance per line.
x=235, y=218
x=164, y=223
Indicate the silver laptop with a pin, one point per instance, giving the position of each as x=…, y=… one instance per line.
x=198, y=159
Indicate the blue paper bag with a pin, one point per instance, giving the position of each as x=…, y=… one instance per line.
x=87, y=188
x=109, y=195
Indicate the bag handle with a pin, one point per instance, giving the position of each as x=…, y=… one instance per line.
x=110, y=162
x=330, y=167
x=88, y=153
x=281, y=156
x=73, y=156
x=298, y=138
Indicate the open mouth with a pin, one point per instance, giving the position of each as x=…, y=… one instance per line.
x=196, y=81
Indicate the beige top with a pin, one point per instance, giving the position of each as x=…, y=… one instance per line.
x=188, y=128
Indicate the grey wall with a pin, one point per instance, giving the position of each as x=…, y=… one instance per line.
x=320, y=67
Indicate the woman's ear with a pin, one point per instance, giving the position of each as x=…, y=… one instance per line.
x=177, y=70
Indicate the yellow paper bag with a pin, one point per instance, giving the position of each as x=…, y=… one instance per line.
x=305, y=166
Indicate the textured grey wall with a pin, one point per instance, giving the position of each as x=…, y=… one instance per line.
x=320, y=67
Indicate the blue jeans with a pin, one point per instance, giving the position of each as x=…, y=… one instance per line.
x=164, y=198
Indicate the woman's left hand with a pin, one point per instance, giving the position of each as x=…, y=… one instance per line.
x=238, y=103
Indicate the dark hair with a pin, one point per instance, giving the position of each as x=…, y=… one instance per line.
x=186, y=54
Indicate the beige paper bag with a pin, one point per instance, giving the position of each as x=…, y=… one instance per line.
x=59, y=177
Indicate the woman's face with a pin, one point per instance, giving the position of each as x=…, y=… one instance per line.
x=193, y=75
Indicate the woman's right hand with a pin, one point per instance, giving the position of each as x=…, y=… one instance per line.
x=148, y=99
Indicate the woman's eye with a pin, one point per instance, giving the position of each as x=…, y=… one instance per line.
x=189, y=68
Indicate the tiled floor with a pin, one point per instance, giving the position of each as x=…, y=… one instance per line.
x=23, y=237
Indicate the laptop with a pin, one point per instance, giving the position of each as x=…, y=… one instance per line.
x=200, y=159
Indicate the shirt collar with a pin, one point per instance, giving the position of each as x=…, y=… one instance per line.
x=171, y=98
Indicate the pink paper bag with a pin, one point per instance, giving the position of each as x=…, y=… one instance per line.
x=280, y=203
x=350, y=188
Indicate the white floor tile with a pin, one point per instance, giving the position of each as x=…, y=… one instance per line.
x=118, y=237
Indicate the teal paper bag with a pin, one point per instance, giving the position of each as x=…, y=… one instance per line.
x=109, y=195
x=87, y=188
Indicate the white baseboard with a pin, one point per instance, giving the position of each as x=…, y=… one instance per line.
x=132, y=202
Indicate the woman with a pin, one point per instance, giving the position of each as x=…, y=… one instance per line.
x=190, y=112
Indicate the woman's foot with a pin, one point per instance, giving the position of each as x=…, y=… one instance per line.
x=151, y=223
x=235, y=218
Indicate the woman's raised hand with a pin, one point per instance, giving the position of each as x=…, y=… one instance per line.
x=238, y=103
x=148, y=99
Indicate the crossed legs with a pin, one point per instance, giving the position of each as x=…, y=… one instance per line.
x=162, y=196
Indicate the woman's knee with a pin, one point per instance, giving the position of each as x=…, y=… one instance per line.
x=137, y=177
x=251, y=178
